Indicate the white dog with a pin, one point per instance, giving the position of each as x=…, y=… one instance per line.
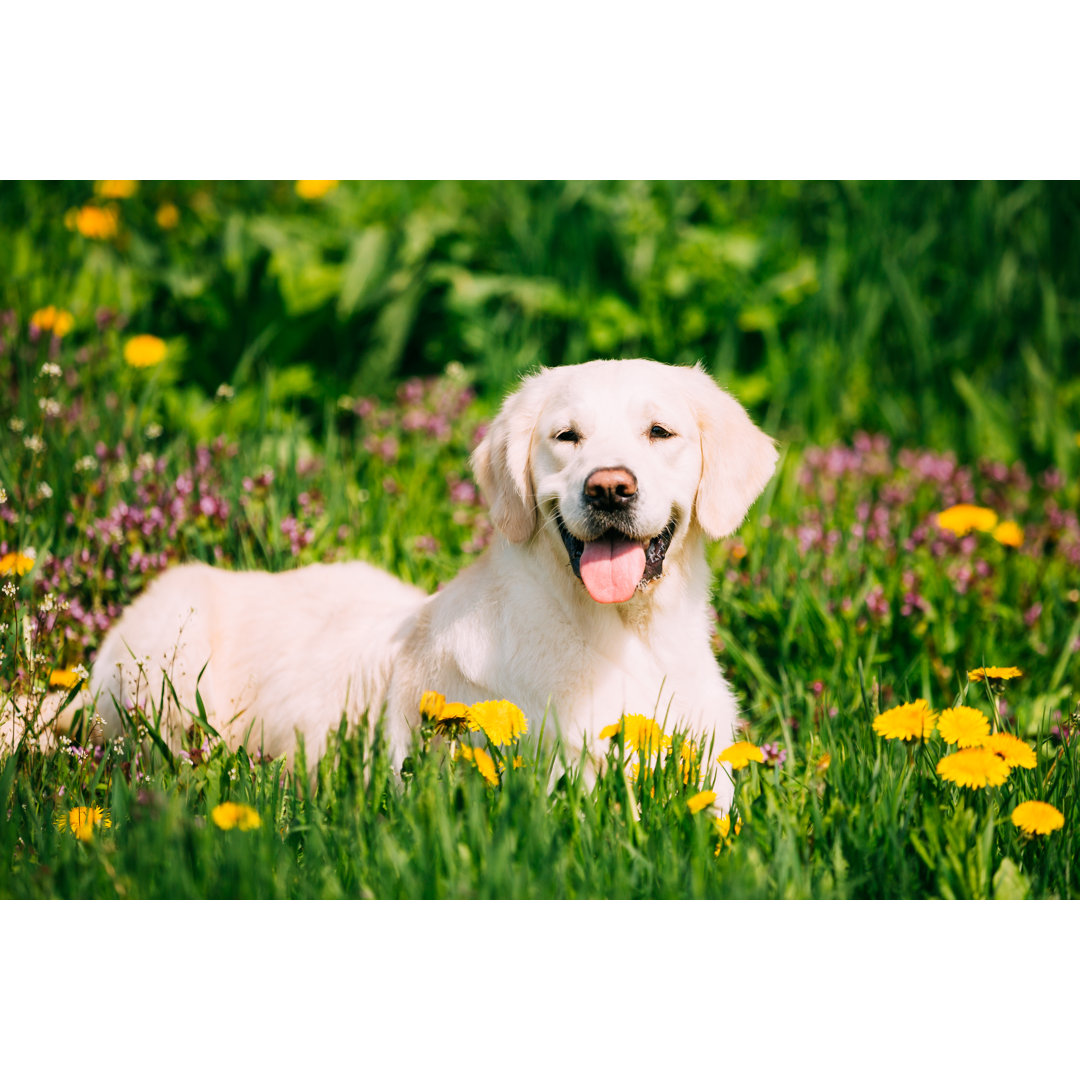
x=603, y=479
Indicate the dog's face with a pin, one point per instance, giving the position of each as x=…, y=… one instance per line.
x=618, y=462
x=615, y=464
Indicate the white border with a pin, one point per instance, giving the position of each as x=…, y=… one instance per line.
x=576, y=88
x=530, y=989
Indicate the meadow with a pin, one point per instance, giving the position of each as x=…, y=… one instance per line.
x=264, y=375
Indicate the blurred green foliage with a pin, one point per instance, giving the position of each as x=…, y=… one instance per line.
x=946, y=315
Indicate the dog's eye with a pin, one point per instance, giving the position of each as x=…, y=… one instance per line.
x=569, y=435
x=658, y=431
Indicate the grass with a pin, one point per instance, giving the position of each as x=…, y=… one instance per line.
x=841, y=597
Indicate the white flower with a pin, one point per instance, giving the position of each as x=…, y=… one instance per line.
x=152, y=431
x=87, y=463
x=16, y=424
x=81, y=672
x=44, y=491
x=52, y=370
x=34, y=444
x=225, y=392
x=3, y=496
x=49, y=406
x=9, y=589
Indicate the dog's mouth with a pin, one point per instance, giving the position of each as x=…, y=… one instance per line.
x=614, y=566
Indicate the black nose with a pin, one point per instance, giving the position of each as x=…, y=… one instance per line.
x=610, y=489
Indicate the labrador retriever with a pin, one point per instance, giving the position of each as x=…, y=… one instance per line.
x=603, y=480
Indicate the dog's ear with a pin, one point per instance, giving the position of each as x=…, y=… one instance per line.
x=501, y=463
x=737, y=458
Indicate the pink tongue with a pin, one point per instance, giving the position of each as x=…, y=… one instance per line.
x=611, y=570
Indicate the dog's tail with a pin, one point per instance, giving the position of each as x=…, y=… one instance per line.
x=43, y=718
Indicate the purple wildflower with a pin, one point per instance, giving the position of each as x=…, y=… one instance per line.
x=774, y=754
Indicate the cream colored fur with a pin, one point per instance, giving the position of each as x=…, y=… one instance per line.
x=287, y=654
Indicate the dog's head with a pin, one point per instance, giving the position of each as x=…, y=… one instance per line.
x=619, y=461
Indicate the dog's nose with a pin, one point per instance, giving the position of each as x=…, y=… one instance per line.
x=610, y=489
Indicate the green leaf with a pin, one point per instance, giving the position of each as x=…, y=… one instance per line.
x=364, y=266
x=1009, y=882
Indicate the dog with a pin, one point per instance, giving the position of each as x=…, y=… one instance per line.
x=603, y=481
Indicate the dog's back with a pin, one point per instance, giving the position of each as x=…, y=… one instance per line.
x=273, y=653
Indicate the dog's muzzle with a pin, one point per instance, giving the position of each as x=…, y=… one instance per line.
x=614, y=565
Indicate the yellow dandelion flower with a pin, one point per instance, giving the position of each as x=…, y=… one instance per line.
x=83, y=820
x=1037, y=817
x=644, y=734
x=454, y=721
x=739, y=755
x=450, y=719
x=639, y=733
x=94, y=222
x=1013, y=751
x=688, y=760
x=974, y=768
x=700, y=801
x=981, y=673
x=16, y=562
x=723, y=828
x=315, y=189
x=144, y=350
x=963, y=726
x=964, y=517
x=230, y=815
x=167, y=216
x=44, y=317
x=115, y=189
x=53, y=320
x=482, y=760
x=431, y=705
x=66, y=678
x=501, y=721
x=1009, y=534
x=912, y=720
x=723, y=825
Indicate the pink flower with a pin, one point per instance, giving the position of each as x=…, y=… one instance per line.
x=774, y=754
